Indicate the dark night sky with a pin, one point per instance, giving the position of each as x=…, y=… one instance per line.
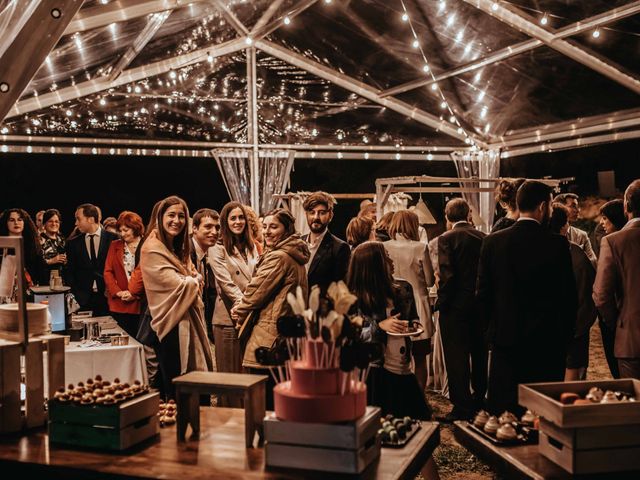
x=35, y=182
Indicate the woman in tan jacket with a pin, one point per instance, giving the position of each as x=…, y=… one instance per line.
x=280, y=270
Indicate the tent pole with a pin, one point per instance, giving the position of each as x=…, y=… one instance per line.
x=252, y=128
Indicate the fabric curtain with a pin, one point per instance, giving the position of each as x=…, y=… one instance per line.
x=479, y=164
x=274, y=167
x=236, y=173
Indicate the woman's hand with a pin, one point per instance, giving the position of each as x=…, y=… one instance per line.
x=234, y=314
x=125, y=296
x=393, y=325
x=60, y=258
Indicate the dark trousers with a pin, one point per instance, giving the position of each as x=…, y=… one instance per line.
x=129, y=322
x=465, y=357
x=508, y=367
x=608, y=342
x=168, y=353
x=97, y=304
x=629, y=367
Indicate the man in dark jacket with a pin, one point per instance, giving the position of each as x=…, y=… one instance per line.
x=460, y=328
x=329, y=255
x=527, y=293
x=206, y=227
x=86, y=256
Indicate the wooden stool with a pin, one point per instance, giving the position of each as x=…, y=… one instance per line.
x=251, y=388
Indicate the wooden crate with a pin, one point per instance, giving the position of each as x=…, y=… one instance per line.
x=12, y=418
x=542, y=398
x=602, y=460
x=103, y=438
x=347, y=447
x=592, y=438
x=348, y=435
x=111, y=427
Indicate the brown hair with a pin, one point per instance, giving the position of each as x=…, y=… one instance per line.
x=559, y=217
x=286, y=219
x=632, y=196
x=406, y=223
x=131, y=220
x=202, y=213
x=244, y=241
x=90, y=211
x=359, y=230
x=385, y=221
x=181, y=244
x=254, y=223
x=457, y=210
x=369, y=276
x=506, y=193
x=319, y=198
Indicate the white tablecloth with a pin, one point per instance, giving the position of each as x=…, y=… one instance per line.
x=126, y=363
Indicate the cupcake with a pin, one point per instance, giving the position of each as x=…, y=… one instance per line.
x=481, y=419
x=609, y=397
x=528, y=418
x=595, y=394
x=492, y=425
x=506, y=432
x=507, y=417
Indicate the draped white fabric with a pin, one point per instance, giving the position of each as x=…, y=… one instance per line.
x=479, y=164
x=274, y=167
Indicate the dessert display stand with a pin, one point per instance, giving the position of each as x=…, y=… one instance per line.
x=17, y=349
x=251, y=388
x=592, y=438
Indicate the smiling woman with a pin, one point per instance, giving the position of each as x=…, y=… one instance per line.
x=172, y=287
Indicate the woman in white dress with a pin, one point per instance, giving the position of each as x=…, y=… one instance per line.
x=412, y=263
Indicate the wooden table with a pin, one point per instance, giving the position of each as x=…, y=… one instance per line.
x=219, y=454
x=521, y=461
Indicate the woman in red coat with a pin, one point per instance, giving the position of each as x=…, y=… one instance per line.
x=124, y=305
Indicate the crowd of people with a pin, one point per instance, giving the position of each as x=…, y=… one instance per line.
x=205, y=291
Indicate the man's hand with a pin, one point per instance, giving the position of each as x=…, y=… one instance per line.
x=393, y=325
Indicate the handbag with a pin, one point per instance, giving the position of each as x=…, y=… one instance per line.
x=146, y=335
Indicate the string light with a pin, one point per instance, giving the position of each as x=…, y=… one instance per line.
x=544, y=20
x=494, y=6
x=596, y=33
x=248, y=41
x=416, y=44
x=405, y=17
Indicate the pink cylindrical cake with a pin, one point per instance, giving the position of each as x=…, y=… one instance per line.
x=309, y=380
x=293, y=406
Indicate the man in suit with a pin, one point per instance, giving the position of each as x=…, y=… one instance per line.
x=205, y=231
x=329, y=255
x=460, y=328
x=86, y=256
x=527, y=294
x=617, y=280
x=576, y=235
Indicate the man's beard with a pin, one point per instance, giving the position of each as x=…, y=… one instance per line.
x=318, y=227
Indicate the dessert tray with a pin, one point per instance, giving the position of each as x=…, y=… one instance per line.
x=507, y=429
x=526, y=435
x=396, y=432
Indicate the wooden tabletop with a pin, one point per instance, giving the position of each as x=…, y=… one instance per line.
x=520, y=461
x=219, y=379
x=219, y=454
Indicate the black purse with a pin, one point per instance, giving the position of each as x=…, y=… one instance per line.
x=146, y=335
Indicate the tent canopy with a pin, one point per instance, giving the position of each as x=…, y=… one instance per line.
x=415, y=75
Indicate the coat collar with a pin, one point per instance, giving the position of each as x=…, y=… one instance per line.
x=323, y=250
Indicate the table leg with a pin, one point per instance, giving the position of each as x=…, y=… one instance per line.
x=254, y=412
x=194, y=415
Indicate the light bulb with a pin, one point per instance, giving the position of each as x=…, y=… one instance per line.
x=544, y=20
x=287, y=20
x=596, y=33
x=425, y=68
x=405, y=17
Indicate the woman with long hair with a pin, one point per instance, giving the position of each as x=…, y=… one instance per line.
x=53, y=244
x=233, y=259
x=120, y=264
x=16, y=222
x=173, y=292
x=359, y=230
x=412, y=263
x=280, y=270
x=387, y=306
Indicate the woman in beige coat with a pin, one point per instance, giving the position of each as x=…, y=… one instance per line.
x=174, y=294
x=280, y=271
x=233, y=259
x=412, y=263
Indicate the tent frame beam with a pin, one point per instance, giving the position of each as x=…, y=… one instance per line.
x=120, y=11
x=576, y=28
x=520, y=21
x=31, y=46
x=360, y=88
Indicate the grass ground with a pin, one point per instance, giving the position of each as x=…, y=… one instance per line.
x=455, y=462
